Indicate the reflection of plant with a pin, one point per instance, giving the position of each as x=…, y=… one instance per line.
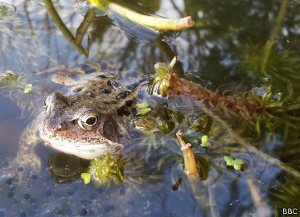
x=75, y=41
x=286, y=195
x=3, y=11
x=282, y=70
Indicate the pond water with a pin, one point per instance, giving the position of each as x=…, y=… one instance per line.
x=236, y=48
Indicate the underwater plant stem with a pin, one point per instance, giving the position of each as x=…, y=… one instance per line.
x=63, y=28
x=268, y=158
x=154, y=22
x=179, y=86
x=273, y=36
x=87, y=21
x=262, y=208
x=169, y=54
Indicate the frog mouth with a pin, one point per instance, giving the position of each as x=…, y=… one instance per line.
x=87, y=147
x=85, y=150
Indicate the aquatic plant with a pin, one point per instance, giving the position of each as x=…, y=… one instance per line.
x=236, y=163
x=143, y=108
x=241, y=115
x=104, y=171
x=204, y=141
x=75, y=41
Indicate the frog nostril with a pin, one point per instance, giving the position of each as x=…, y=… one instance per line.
x=62, y=125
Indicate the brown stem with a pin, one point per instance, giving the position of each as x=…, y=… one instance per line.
x=179, y=86
x=169, y=53
x=188, y=155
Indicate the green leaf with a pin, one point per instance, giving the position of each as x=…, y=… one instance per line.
x=86, y=177
x=205, y=142
x=204, y=139
x=173, y=62
x=228, y=160
x=121, y=176
x=237, y=167
x=142, y=105
x=144, y=111
x=161, y=70
x=238, y=161
x=28, y=88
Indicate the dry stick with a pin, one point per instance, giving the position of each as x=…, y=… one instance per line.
x=250, y=148
x=63, y=28
x=154, y=22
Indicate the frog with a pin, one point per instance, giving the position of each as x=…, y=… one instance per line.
x=88, y=117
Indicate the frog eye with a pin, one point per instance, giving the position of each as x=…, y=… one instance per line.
x=88, y=119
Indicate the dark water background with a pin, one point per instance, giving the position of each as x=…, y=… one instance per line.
x=224, y=47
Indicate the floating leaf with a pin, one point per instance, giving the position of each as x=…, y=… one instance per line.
x=238, y=162
x=237, y=167
x=205, y=142
x=144, y=111
x=86, y=177
x=229, y=160
x=142, y=105
x=28, y=88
